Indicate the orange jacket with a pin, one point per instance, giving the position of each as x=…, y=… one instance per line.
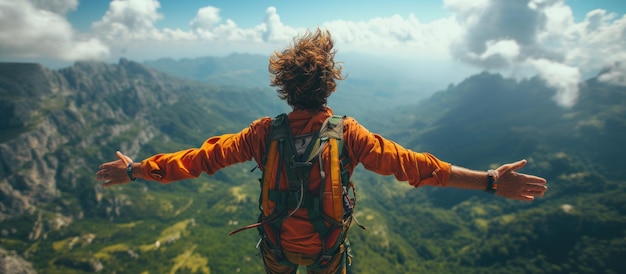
x=297, y=234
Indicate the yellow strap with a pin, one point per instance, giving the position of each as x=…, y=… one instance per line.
x=269, y=178
x=335, y=171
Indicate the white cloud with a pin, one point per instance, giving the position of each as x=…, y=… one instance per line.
x=492, y=23
x=128, y=20
x=206, y=18
x=179, y=35
x=275, y=30
x=565, y=79
x=600, y=41
x=508, y=49
x=616, y=75
x=396, y=36
x=510, y=36
x=497, y=54
x=129, y=24
x=35, y=29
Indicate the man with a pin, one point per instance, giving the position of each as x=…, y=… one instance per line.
x=305, y=75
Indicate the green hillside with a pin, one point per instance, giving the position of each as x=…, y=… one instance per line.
x=58, y=126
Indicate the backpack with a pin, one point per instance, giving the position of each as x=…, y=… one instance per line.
x=331, y=210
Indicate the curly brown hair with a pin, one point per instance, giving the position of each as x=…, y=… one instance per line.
x=305, y=72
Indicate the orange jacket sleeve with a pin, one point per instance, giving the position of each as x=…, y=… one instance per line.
x=386, y=157
x=215, y=153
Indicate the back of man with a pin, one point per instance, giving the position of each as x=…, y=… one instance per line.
x=297, y=233
x=292, y=237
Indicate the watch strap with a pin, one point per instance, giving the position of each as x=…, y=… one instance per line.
x=129, y=171
x=492, y=183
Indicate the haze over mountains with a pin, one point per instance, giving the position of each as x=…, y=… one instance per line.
x=57, y=126
x=390, y=81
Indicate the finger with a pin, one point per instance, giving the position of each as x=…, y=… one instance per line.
x=534, y=180
x=101, y=171
x=535, y=185
x=517, y=165
x=535, y=192
x=511, y=167
x=107, y=165
x=541, y=189
x=531, y=179
x=102, y=176
x=122, y=157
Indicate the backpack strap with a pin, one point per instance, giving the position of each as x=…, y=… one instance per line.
x=332, y=132
x=279, y=135
x=333, y=128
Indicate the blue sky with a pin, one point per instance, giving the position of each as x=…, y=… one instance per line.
x=562, y=41
x=249, y=13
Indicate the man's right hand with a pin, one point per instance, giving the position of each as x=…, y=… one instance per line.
x=519, y=186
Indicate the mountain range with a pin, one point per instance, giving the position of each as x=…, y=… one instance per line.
x=57, y=126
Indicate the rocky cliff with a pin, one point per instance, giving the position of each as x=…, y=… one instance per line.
x=48, y=115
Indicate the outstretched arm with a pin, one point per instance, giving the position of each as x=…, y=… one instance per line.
x=511, y=184
x=215, y=153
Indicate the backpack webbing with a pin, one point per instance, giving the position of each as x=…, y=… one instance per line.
x=276, y=204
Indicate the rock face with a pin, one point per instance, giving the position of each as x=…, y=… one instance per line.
x=31, y=134
x=55, y=128
x=46, y=116
x=11, y=263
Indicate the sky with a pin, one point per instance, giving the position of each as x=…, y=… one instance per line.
x=561, y=41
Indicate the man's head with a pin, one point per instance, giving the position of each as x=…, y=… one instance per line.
x=305, y=72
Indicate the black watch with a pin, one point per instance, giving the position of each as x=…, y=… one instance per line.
x=129, y=171
x=492, y=184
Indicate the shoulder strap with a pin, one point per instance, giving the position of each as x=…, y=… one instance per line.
x=280, y=128
x=333, y=127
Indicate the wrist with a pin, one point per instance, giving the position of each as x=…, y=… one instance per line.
x=129, y=171
x=492, y=181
